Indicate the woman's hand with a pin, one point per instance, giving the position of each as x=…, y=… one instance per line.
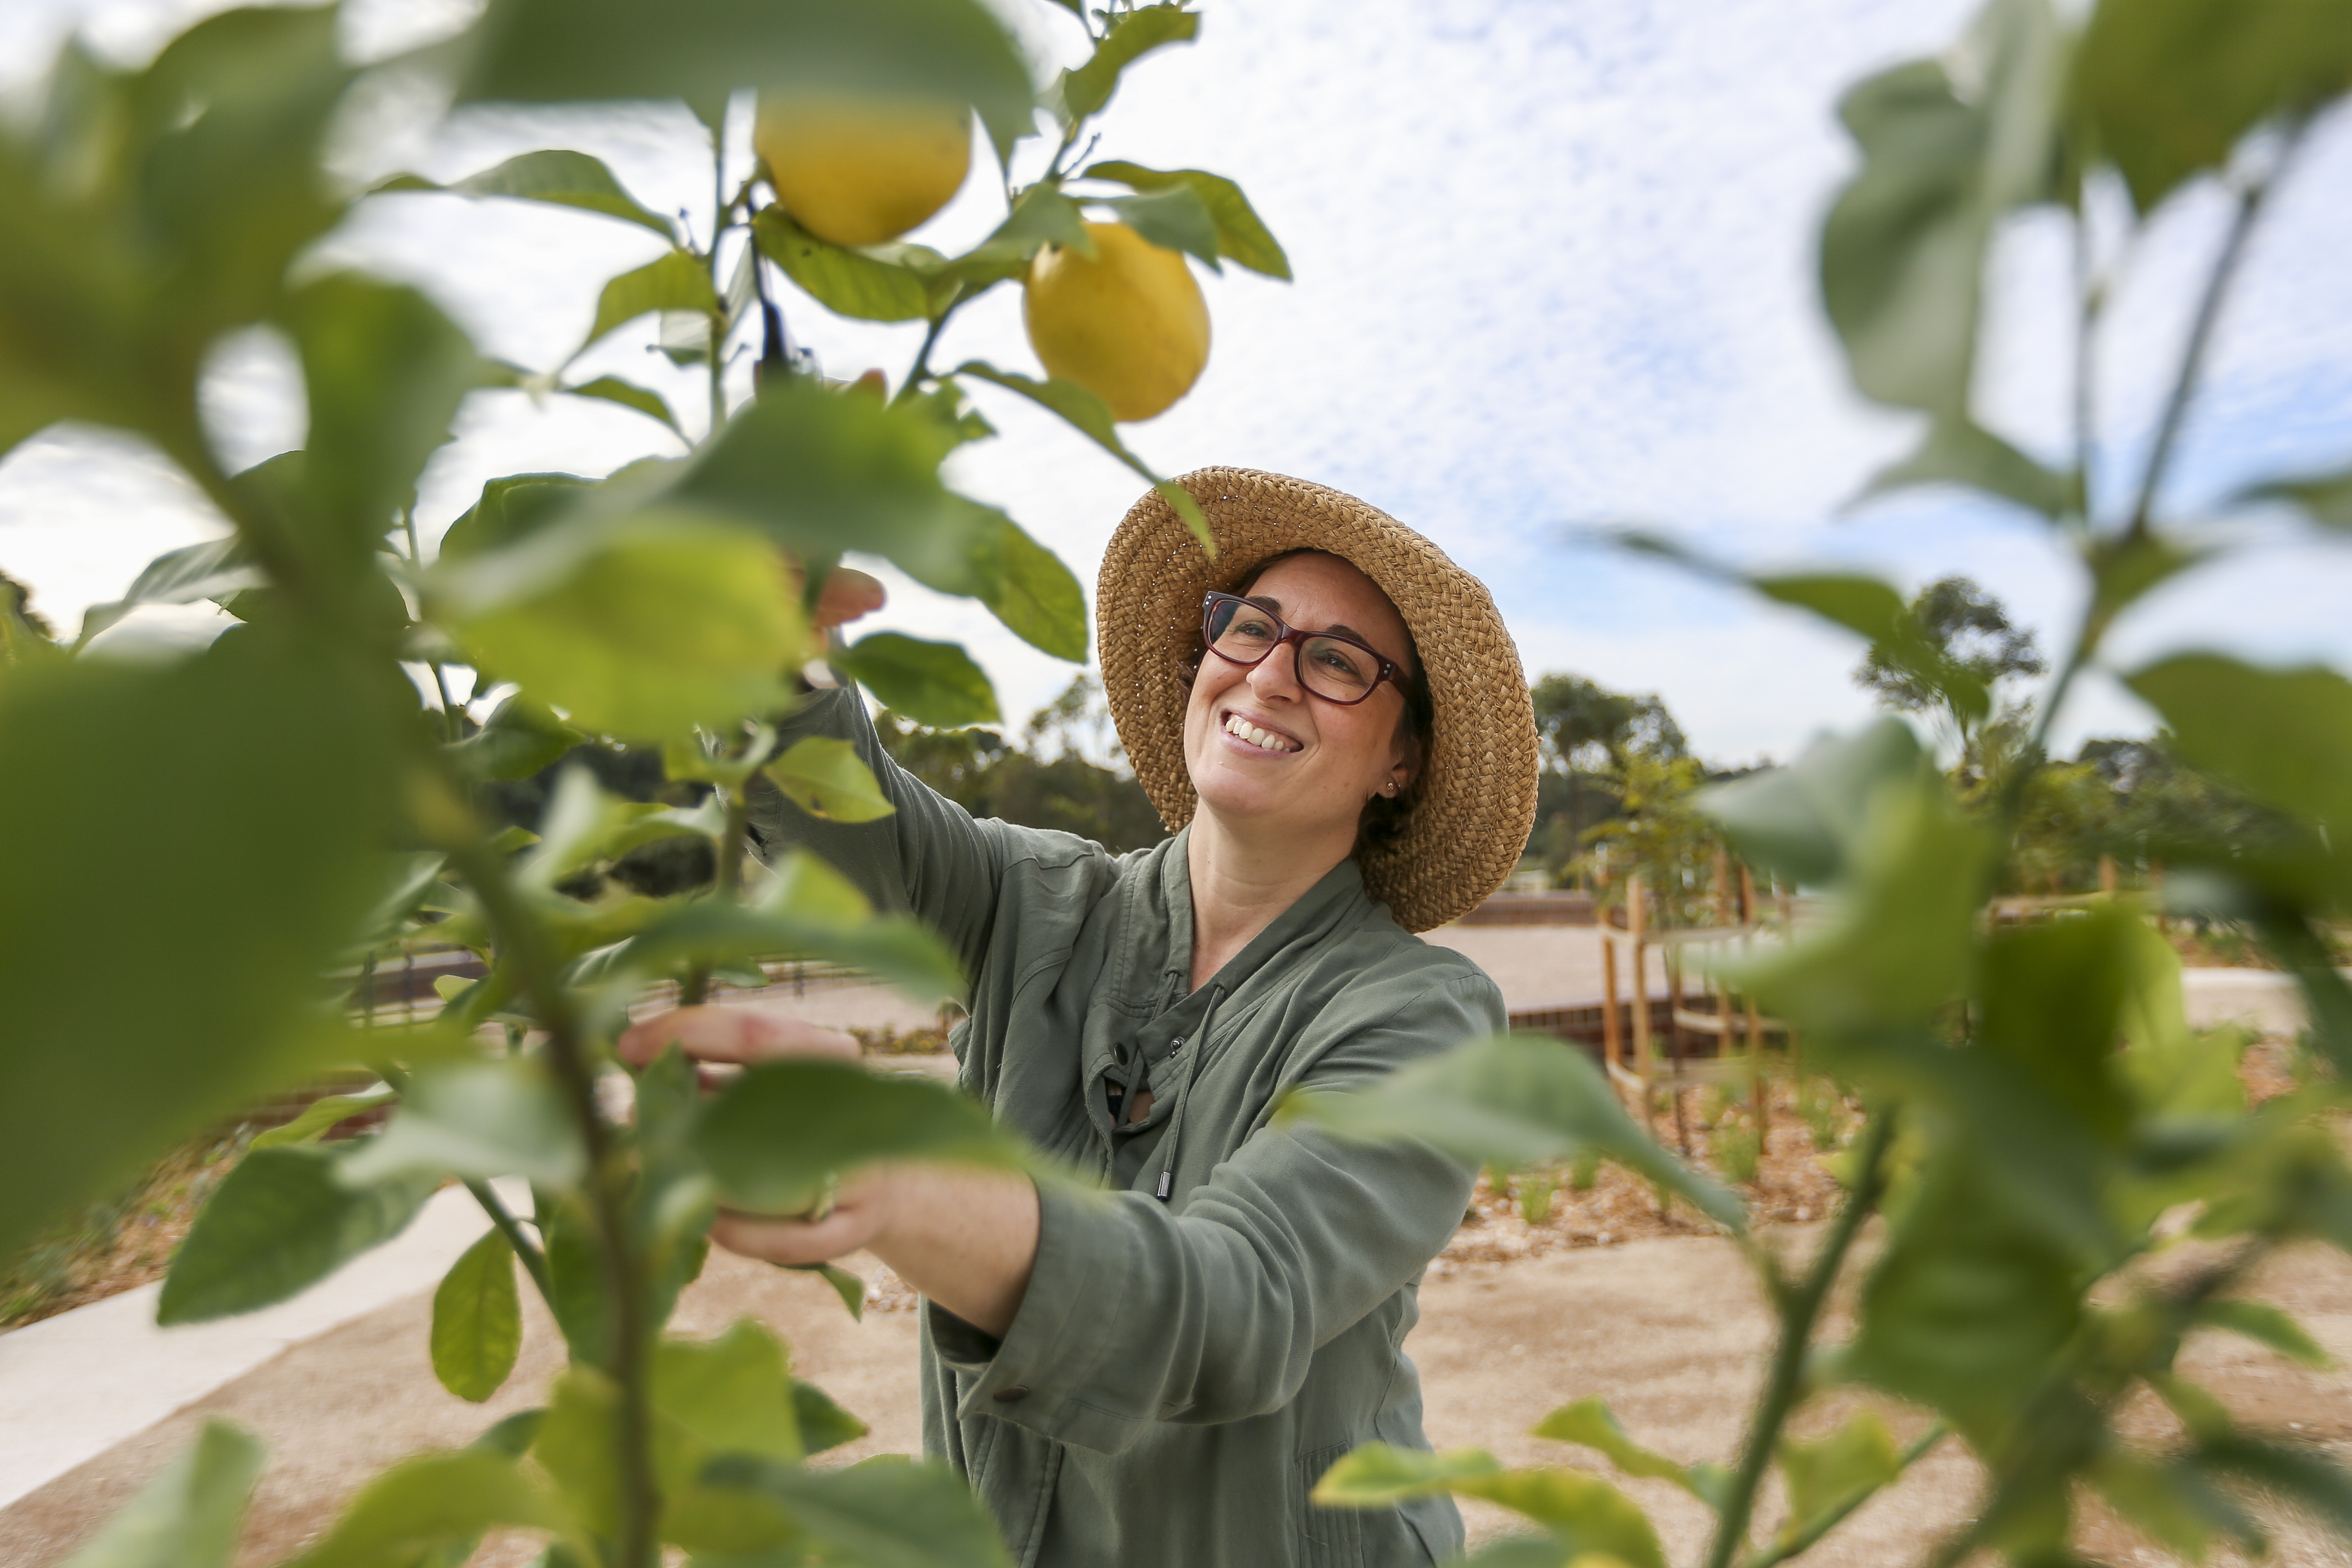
x=738, y=1035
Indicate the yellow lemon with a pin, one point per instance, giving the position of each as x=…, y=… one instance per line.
x=1128, y=325
x=859, y=171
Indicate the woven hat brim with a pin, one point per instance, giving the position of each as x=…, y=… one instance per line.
x=1478, y=796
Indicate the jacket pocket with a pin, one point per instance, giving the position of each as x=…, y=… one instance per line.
x=1328, y=1537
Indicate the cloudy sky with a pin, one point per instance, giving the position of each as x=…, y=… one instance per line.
x=1554, y=268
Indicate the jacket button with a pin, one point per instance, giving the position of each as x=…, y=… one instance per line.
x=1010, y=1393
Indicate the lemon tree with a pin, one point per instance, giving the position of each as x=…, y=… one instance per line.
x=298, y=810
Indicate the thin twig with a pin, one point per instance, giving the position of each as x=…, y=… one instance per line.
x=921, y=369
x=727, y=879
x=1802, y=1310
x=1830, y=1520
x=534, y=1261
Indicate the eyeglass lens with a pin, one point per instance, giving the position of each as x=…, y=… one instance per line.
x=1329, y=666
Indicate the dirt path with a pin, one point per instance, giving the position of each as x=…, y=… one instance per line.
x=1669, y=1330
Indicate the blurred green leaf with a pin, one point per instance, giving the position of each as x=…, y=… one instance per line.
x=1027, y=588
x=733, y=1394
x=189, y=1515
x=510, y=509
x=427, y=1500
x=478, y=1319
x=1379, y=1474
x=933, y=683
x=2282, y=735
x=897, y=950
x=216, y=568
x=2050, y=1000
x=846, y=1285
x=675, y=280
x=1584, y=1513
x=2166, y=88
x=1969, y=1305
x=824, y=1425
x=1947, y=147
x=1858, y=1458
x=564, y=178
x=644, y=627
x=475, y=1118
x=885, y=1512
x=1868, y=606
x=578, y=1445
x=274, y=828
x=861, y=285
x=777, y=1133
x=1041, y=215
x=1959, y=451
x=1804, y=823
x=1510, y=1099
x=2326, y=498
x=583, y=824
x=544, y=51
x=520, y=739
x=1128, y=36
x=1090, y=416
x=2172, y=1504
x=1241, y=235
x=319, y=1116
x=1173, y=217
x=2265, y=1325
x=825, y=777
x=629, y=395
x=385, y=371
x=575, y=1274
x=282, y=1220
x=1591, y=1422
x=2307, y=1477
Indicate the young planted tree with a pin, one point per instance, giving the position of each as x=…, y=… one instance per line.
x=232, y=831
x=2036, y=1099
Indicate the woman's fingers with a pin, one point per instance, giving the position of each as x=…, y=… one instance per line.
x=740, y=1033
x=853, y=1222
x=847, y=594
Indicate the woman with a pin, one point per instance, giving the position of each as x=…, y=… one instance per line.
x=1344, y=742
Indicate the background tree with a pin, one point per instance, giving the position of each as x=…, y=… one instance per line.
x=1590, y=736
x=1960, y=642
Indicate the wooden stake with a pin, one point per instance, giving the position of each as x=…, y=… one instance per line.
x=1635, y=925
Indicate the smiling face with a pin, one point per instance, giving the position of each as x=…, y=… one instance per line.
x=1263, y=752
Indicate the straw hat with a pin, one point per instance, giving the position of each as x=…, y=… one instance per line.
x=1476, y=797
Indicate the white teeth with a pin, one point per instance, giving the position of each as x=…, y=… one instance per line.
x=1265, y=739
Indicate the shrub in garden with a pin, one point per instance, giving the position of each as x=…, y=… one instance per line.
x=233, y=828
x=2035, y=1099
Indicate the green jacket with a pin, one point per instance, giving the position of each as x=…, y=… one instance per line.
x=1181, y=1371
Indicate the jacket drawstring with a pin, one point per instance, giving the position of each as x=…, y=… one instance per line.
x=1192, y=1051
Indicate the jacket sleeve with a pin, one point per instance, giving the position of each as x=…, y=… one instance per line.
x=1135, y=1315
x=928, y=858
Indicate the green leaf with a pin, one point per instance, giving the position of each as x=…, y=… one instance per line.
x=824, y=1425
x=1129, y=35
x=565, y=179
x=274, y=867
x=478, y=1319
x=819, y=472
x=1175, y=218
x=2284, y=736
x=510, y=509
x=1867, y=605
x=1510, y=1099
x=575, y=1274
x=1041, y=215
x=933, y=683
x=2049, y=1001
x=582, y=825
x=553, y=51
x=1377, y=1475
x=774, y=1136
x=2265, y=1324
x=1959, y=451
x=474, y=1120
x=629, y=395
x=734, y=1394
x=643, y=628
x=825, y=777
x=384, y=371
x=1241, y=235
x=2326, y=498
x=1090, y=416
x=212, y=570
x=676, y=280
x=1946, y=148
x=1592, y=1424
x=1969, y=1308
x=523, y=737
x=1857, y=1458
x=2168, y=87
x=884, y=1512
x=1804, y=823
x=1027, y=588
x=861, y=285
x=280, y=1222
x=2308, y=1478
x=320, y=1115
x=428, y=1500
x=898, y=950
x=2172, y=1503
x=846, y=1285
x=188, y=1516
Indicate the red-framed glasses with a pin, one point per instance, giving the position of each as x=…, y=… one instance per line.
x=1336, y=667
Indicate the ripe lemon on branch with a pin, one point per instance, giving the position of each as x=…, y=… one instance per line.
x=860, y=171
x=1128, y=324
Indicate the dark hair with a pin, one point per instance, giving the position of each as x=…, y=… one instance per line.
x=1384, y=818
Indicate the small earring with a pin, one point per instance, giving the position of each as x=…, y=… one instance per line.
x=1389, y=788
